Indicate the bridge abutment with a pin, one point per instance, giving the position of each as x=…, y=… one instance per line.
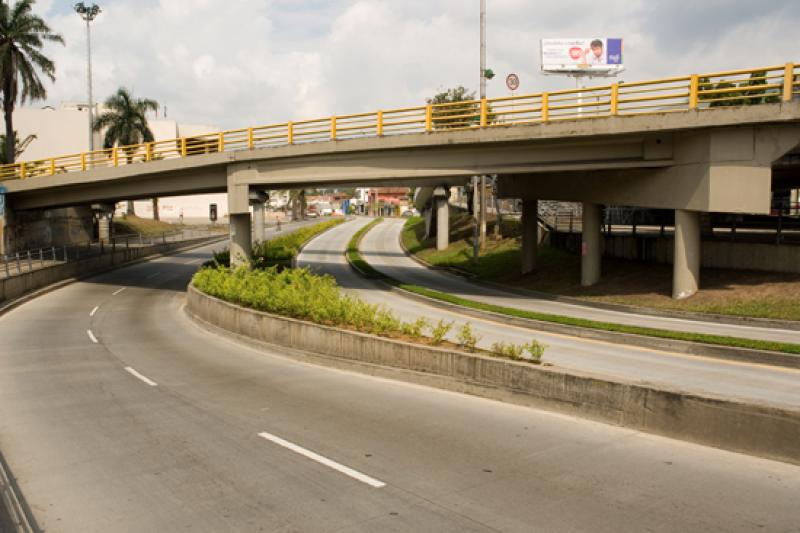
x=591, y=244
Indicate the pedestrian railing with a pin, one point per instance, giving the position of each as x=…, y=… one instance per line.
x=37, y=258
x=761, y=85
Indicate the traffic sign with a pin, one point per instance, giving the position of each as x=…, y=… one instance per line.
x=512, y=82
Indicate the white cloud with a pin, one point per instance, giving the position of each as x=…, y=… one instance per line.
x=242, y=62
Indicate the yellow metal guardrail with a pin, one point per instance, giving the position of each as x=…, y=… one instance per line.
x=679, y=94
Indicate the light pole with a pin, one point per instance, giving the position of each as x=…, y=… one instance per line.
x=88, y=13
x=482, y=212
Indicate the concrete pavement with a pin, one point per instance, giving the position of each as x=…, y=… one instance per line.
x=96, y=448
x=707, y=376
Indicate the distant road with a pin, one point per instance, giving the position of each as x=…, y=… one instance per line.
x=683, y=372
x=118, y=414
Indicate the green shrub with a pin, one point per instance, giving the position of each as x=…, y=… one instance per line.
x=440, y=331
x=510, y=350
x=467, y=338
x=415, y=329
x=536, y=350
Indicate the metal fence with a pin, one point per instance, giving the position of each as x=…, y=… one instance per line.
x=38, y=258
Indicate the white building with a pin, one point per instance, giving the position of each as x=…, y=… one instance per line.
x=65, y=131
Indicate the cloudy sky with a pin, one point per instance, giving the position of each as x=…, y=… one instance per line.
x=234, y=63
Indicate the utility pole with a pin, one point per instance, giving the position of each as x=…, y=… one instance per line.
x=482, y=212
x=88, y=13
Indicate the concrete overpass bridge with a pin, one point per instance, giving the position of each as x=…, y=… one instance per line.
x=691, y=143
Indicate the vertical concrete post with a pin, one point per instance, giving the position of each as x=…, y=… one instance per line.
x=258, y=222
x=6, y=244
x=591, y=244
x=239, y=179
x=442, y=219
x=240, y=239
x=794, y=202
x=530, y=234
x=686, y=263
x=104, y=227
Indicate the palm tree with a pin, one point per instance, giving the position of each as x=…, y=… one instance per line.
x=19, y=146
x=22, y=35
x=125, y=123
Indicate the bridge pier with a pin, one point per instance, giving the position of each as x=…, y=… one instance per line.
x=591, y=244
x=686, y=262
x=442, y=218
x=530, y=234
x=241, y=244
x=6, y=221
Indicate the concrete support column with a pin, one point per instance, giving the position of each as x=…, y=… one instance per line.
x=258, y=222
x=442, y=222
x=794, y=200
x=686, y=265
x=241, y=245
x=6, y=221
x=104, y=227
x=591, y=244
x=530, y=235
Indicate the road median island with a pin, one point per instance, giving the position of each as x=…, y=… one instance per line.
x=758, y=429
x=688, y=343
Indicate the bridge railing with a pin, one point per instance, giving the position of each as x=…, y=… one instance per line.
x=770, y=84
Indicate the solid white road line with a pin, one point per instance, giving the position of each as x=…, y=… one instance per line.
x=118, y=291
x=91, y=336
x=372, y=482
x=137, y=375
x=193, y=262
x=96, y=307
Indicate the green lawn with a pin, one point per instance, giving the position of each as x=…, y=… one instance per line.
x=726, y=292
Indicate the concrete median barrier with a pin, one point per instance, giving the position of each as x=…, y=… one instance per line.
x=758, y=429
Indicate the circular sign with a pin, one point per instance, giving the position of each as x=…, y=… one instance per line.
x=512, y=82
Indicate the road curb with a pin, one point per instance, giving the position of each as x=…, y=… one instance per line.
x=15, y=515
x=623, y=308
x=758, y=429
x=727, y=353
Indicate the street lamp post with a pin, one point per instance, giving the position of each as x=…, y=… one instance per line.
x=481, y=213
x=88, y=13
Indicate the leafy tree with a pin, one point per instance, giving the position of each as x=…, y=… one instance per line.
x=19, y=146
x=125, y=123
x=22, y=36
x=736, y=96
x=450, y=96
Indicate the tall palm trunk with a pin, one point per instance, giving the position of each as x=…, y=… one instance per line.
x=155, y=209
x=8, y=111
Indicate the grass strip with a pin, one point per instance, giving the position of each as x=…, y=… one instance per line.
x=354, y=255
x=355, y=258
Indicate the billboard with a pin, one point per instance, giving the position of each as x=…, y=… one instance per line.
x=597, y=56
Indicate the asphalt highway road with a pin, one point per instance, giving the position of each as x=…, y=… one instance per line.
x=119, y=414
x=399, y=266
x=780, y=386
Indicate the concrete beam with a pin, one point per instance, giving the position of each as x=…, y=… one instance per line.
x=591, y=244
x=686, y=263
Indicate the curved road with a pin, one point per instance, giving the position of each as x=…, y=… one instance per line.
x=399, y=266
x=117, y=413
x=380, y=248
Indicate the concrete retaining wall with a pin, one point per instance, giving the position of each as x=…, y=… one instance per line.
x=762, y=430
x=16, y=286
x=716, y=254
